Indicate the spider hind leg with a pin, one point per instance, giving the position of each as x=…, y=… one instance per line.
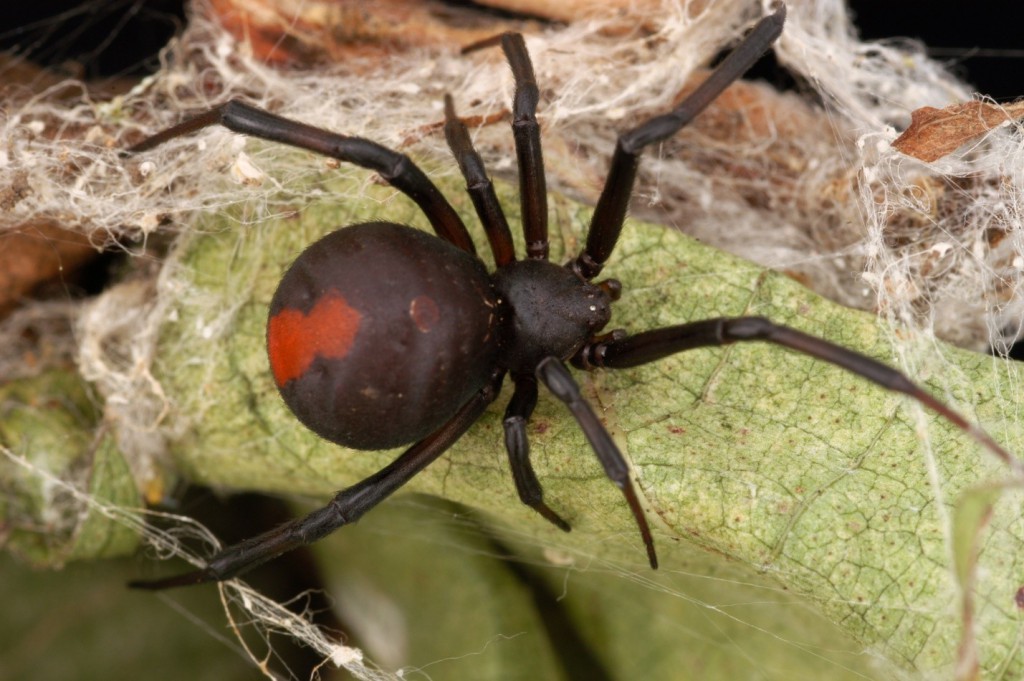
x=519, y=410
x=346, y=507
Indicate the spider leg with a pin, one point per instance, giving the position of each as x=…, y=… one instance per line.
x=479, y=186
x=397, y=169
x=533, y=191
x=560, y=382
x=347, y=506
x=649, y=346
x=606, y=224
x=521, y=406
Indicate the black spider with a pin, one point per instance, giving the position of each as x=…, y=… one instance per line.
x=381, y=335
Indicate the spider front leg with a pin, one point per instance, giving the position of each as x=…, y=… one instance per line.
x=610, y=213
x=347, y=506
x=649, y=346
x=560, y=382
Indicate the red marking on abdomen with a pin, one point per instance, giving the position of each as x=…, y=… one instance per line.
x=295, y=339
x=424, y=313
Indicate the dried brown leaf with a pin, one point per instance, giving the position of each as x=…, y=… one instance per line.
x=36, y=253
x=286, y=33
x=628, y=11
x=934, y=133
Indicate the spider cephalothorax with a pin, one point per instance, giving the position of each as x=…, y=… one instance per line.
x=380, y=335
x=548, y=311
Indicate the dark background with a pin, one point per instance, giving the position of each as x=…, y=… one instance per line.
x=982, y=41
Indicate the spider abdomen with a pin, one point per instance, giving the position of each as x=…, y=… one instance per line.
x=378, y=333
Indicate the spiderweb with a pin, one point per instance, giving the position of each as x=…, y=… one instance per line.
x=812, y=189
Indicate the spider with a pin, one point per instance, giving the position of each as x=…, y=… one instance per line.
x=416, y=356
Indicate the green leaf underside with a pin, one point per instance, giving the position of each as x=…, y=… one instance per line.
x=49, y=423
x=787, y=467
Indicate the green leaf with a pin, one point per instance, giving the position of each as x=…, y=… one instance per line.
x=438, y=586
x=52, y=449
x=788, y=471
